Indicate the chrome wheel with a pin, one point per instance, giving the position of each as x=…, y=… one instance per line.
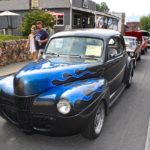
x=135, y=63
x=99, y=119
x=93, y=129
x=129, y=79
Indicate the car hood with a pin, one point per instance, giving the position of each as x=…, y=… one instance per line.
x=39, y=76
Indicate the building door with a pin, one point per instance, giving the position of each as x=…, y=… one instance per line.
x=84, y=22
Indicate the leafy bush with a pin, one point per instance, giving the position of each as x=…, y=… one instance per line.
x=32, y=17
x=8, y=38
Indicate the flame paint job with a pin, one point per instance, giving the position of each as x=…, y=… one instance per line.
x=79, y=90
x=40, y=76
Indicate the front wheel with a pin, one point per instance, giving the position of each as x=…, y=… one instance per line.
x=95, y=126
x=129, y=80
x=135, y=63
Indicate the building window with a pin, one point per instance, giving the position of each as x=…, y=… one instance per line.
x=34, y=4
x=85, y=4
x=59, y=20
x=77, y=20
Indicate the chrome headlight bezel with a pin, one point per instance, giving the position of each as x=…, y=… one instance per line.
x=64, y=106
x=132, y=54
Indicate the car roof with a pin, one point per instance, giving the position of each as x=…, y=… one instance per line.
x=130, y=37
x=97, y=33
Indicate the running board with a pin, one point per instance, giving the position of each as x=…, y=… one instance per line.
x=113, y=97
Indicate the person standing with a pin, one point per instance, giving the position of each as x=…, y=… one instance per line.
x=31, y=44
x=41, y=38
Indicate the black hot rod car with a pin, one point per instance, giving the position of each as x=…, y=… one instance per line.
x=71, y=89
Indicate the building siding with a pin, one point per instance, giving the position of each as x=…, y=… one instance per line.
x=121, y=23
x=79, y=4
x=25, y=4
x=54, y=3
x=14, y=5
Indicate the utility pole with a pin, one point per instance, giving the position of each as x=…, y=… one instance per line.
x=30, y=2
x=70, y=14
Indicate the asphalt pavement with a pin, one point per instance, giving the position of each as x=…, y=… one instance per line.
x=125, y=127
x=14, y=67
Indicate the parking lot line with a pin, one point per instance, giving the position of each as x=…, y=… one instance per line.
x=147, y=145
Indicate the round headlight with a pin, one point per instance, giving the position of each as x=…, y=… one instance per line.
x=64, y=106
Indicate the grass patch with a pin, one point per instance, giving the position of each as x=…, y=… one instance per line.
x=10, y=37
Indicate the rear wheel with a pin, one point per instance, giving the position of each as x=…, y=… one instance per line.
x=95, y=126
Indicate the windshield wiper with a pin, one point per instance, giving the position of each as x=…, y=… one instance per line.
x=52, y=54
x=75, y=55
x=91, y=57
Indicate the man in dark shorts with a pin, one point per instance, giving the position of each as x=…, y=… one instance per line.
x=41, y=38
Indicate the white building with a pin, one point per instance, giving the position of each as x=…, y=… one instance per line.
x=121, y=22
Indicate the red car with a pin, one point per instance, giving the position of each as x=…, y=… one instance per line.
x=144, y=44
x=133, y=49
x=142, y=37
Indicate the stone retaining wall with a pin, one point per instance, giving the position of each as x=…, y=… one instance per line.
x=13, y=52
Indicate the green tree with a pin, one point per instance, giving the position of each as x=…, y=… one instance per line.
x=145, y=23
x=102, y=7
x=32, y=17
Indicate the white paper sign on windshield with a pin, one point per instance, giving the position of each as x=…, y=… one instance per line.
x=93, y=50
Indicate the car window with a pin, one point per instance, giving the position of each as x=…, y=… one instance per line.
x=130, y=43
x=115, y=46
x=121, y=44
x=83, y=46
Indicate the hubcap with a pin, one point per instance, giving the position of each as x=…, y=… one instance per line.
x=135, y=63
x=99, y=119
x=130, y=78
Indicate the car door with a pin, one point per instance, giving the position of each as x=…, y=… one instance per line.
x=115, y=62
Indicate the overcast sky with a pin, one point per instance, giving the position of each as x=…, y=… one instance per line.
x=132, y=8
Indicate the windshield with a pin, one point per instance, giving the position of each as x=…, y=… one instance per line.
x=75, y=46
x=130, y=43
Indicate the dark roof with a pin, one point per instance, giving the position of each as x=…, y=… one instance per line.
x=98, y=33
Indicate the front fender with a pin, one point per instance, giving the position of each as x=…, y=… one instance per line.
x=80, y=94
x=6, y=85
